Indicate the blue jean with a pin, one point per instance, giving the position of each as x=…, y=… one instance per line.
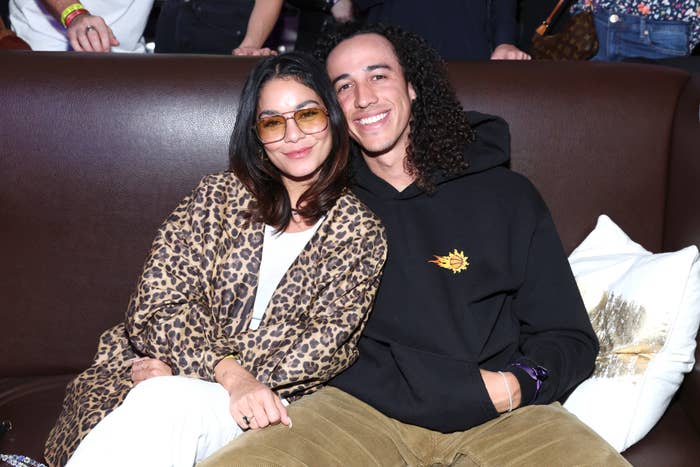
x=638, y=36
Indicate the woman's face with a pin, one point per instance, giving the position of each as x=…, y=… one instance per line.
x=298, y=155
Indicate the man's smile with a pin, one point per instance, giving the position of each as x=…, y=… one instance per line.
x=372, y=119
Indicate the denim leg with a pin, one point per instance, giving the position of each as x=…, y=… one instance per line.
x=628, y=36
x=657, y=39
x=601, y=29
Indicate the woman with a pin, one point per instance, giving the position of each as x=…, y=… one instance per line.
x=255, y=291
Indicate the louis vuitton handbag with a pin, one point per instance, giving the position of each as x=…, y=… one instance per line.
x=577, y=41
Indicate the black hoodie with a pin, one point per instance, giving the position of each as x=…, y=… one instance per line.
x=433, y=327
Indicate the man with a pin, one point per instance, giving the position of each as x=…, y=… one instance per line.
x=478, y=326
x=96, y=26
x=238, y=27
x=457, y=29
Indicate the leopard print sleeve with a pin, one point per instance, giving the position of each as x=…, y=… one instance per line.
x=170, y=316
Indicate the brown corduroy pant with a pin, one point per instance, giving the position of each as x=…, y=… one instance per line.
x=331, y=428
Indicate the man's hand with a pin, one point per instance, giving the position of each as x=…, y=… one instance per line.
x=145, y=367
x=253, y=405
x=260, y=23
x=253, y=51
x=342, y=11
x=88, y=33
x=497, y=389
x=509, y=52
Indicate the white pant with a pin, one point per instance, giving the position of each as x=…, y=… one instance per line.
x=164, y=421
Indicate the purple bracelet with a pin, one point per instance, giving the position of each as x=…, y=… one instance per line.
x=538, y=373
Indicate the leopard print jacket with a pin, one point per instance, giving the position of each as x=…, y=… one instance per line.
x=194, y=303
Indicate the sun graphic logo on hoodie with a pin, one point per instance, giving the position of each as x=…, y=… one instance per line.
x=455, y=261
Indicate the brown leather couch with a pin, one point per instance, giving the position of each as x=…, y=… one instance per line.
x=95, y=150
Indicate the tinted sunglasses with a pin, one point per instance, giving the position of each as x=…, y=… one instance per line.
x=272, y=128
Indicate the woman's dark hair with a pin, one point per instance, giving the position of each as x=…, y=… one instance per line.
x=439, y=129
x=247, y=158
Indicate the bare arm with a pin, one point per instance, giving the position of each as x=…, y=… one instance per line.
x=260, y=24
x=86, y=33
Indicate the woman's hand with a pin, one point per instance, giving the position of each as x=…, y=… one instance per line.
x=146, y=367
x=253, y=405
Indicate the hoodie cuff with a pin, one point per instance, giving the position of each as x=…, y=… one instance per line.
x=528, y=386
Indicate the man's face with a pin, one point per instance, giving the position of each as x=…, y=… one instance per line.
x=373, y=93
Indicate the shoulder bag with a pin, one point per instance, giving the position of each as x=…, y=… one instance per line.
x=577, y=40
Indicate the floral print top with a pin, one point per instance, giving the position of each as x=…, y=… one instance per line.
x=673, y=10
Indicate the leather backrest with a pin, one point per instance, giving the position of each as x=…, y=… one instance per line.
x=683, y=209
x=593, y=137
x=95, y=151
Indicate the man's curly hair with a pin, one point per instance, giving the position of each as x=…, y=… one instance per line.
x=438, y=128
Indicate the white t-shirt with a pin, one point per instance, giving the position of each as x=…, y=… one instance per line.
x=32, y=22
x=279, y=252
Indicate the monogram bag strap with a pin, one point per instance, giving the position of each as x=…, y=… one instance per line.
x=542, y=28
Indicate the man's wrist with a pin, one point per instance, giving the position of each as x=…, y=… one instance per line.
x=531, y=378
x=71, y=12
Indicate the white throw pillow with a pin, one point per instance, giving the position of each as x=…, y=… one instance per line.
x=645, y=310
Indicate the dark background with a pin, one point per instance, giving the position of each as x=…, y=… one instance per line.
x=530, y=14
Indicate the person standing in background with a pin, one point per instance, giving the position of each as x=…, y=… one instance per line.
x=315, y=16
x=652, y=29
x=92, y=26
x=531, y=14
x=457, y=29
x=238, y=27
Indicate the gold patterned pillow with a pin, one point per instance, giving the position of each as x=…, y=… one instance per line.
x=645, y=310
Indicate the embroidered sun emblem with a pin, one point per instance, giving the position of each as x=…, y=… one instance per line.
x=455, y=261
